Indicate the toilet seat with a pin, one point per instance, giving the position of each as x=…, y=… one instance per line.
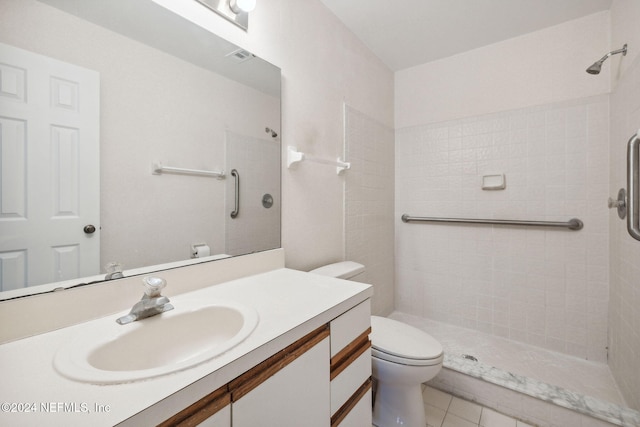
x=400, y=343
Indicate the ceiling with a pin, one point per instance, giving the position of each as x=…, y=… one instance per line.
x=405, y=33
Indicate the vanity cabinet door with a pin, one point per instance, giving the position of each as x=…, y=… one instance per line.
x=291, y=390
x=219, y=419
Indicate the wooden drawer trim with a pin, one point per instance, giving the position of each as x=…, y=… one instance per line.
x=344, y=410
x=263, y=371
x=200, y=410
x=350, y=353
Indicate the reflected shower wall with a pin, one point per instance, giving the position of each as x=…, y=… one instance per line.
x=257, y=161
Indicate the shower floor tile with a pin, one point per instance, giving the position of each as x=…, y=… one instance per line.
x=568, y=372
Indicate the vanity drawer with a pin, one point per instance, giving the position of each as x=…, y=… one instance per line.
x=349, y=326
x=357, y=411
x=346, y=383
x=350, y=358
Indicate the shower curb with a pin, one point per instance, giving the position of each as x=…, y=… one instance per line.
x=474, y=381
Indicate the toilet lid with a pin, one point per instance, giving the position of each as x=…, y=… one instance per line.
x=400, y=343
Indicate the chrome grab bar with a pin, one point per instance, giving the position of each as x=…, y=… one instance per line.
x=572, y=224
x=633, y=227
x=236, y=179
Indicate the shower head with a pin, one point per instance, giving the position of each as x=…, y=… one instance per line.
x=597, y=66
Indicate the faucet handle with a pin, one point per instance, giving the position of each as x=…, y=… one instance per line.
x=114, y=271
x=153, y=285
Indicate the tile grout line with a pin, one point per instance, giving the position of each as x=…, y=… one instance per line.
x=514, y=422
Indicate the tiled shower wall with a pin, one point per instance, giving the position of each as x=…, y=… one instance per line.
x=369, y=204
x=547, y=287
x=624, y=317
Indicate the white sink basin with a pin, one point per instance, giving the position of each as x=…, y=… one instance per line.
x=190, y=334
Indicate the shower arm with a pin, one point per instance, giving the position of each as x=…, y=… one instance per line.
x=623, y=50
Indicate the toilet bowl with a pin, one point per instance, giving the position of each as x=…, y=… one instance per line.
x=402, y=358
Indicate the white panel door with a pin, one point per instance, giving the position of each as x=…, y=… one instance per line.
x=49, y=169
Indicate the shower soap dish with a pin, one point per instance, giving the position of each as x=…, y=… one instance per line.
x=494, y=182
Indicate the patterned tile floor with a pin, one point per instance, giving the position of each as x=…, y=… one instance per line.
x=445, y=410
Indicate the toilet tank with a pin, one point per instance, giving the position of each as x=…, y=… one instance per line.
x=342, y=270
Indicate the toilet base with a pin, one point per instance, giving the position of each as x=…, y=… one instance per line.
x=399, y=406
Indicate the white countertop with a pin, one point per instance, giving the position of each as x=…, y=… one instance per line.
x=290, y=304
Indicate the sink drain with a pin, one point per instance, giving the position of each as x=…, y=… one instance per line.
x=469, y=357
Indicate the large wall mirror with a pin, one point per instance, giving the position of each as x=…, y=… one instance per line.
x=95, y=97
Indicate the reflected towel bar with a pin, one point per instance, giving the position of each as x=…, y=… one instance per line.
x=158, y=168
x=572, y=224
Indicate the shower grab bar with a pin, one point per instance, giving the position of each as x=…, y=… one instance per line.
x=572, y=224
x=633, y=225
x=236, y=179
x=157, y=168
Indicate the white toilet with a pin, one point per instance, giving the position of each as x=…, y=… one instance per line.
x=403, y=357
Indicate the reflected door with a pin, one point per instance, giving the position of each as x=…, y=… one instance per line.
x=49, y=170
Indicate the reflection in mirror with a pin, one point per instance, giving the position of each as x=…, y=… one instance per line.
x=93, y=94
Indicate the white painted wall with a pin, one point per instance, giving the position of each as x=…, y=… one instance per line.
x=537, y=68
x=624, y=29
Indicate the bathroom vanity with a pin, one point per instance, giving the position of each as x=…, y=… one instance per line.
x=307, y=362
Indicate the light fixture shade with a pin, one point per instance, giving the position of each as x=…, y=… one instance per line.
x=230, y=10
x=239, y=6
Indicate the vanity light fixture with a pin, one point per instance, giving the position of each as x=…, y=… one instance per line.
x=239, y=6
x=235, y=11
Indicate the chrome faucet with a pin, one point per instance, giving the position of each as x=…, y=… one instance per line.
x=114, y=271
x=152, y=302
